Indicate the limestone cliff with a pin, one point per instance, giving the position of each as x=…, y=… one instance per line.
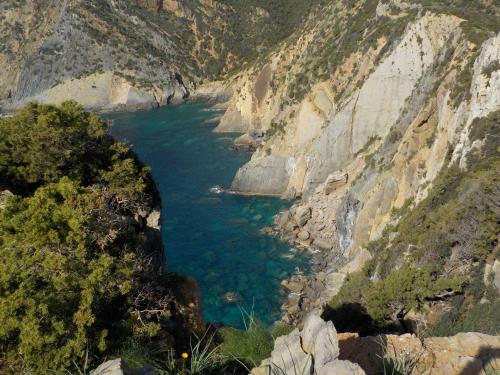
x=360, y=112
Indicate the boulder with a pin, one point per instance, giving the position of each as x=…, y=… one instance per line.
x=302, y=215
x=282, y=218
x=314, y=350
x=232, y=297
x=335, y=181
x=120, y=367
x=289, y=357
x=320, y=339
x=323, y=244
x=303, y=235
x=341, y=368
x=293, y=286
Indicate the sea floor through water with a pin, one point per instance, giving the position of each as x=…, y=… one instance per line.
x=213, y=237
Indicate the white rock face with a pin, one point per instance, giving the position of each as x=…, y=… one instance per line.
x=376, y=107
x=269, y=173
x=492, y=275
x=314, y=350
x=119, y=367
x=485, y=96
x=328, y=137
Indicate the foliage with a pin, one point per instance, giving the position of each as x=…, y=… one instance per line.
x=469, y=316
x=253, y=344
x=403, y=364
x=250, y=346
x=397, y=362
x=78, y=273
x=405, y=289
x=42, y=143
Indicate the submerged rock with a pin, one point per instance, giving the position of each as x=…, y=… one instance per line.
x=232, y=297
x=217, y=189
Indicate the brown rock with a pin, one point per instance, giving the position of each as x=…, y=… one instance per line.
x=302, y=215
x=303, y=235
x=334, y=181
x=465, y=353
x=293, y=286
x=323, y=244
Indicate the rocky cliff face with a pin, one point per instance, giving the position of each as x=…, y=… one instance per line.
x=318, y=349
x=126, y=54
x=358, y=122
x=102, y=55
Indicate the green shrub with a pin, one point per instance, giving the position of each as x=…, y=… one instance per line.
x=77, y=273
x=250, y=346
x=405, y=289
x=253, y=344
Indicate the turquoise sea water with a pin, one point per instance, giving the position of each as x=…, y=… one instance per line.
x=212, y=237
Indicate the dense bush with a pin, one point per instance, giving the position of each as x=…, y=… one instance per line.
x=42, y=143
x=79, y=271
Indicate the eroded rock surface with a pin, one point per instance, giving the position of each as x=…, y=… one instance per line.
x=312, y=350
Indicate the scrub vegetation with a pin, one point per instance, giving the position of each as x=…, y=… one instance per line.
x=80, y=273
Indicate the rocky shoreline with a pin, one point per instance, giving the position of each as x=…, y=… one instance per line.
x=309, y=292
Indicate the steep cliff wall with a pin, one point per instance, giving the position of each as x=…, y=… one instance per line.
x=361, y=111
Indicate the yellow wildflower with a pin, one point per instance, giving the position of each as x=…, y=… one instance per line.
x=184, y=355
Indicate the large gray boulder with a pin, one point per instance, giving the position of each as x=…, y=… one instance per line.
x=119, y=367
x=262, y=175
x=314, y=350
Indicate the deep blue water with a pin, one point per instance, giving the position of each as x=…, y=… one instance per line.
x=213, y=238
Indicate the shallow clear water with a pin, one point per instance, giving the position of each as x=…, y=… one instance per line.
x=213, y=238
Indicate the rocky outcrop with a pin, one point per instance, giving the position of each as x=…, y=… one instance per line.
x=318, y=349
x=120, y=367
x=465, y=353
x=313, y=350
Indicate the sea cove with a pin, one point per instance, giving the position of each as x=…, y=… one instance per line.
x=215, y=238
